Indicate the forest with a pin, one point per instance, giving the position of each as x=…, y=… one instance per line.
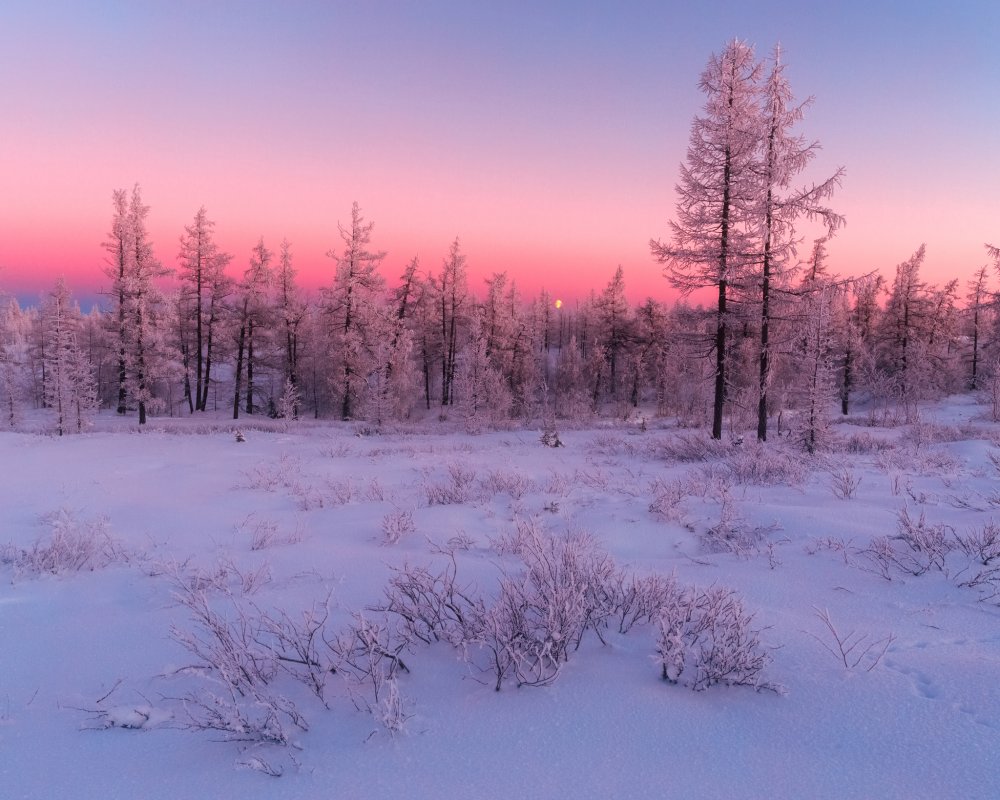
x=257, y=345
x=785, y=342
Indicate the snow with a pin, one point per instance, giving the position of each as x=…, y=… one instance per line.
x=91, y=678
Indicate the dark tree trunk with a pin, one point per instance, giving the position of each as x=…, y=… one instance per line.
x=238, y=380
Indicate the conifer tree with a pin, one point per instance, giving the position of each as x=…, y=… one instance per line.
x=718, y=196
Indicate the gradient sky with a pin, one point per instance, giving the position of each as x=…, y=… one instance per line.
x=546, y=135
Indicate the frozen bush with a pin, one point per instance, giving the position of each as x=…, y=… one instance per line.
x=709, y=636
x=929, y=544
x=396, y=524
x=458, y=488
x=844, y=483
x=72, y=545
x=693, y=447
x=981, y=544
x=864, y=444
x=368, y=654
x=732, y=533
x=431, y=606
x=668, y=498
x=759, y=465
x=514, y=484
x=640, y=601
x=238, y=669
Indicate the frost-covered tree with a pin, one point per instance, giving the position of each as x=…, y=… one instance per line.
x=70, y=392
x=718, y=196
x=481, y=393
x=202, y=273
x=292, y=311
x=120, y=253
x=614, y=336
x=393, y=381
x=783, y=156
x=452, y=299
x=351, y=305
x=816, y=367
x=251, y=317
x=980, y=302
x=14, y=338
x=147, y=358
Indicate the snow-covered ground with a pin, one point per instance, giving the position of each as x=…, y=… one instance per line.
x=98, y=696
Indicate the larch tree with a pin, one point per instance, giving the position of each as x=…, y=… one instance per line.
x=351, y=306
x=146, y=357
x=614, y=329
x=202, y=271
x=979, y=300
x=292, y=311
x=782, y=157
x=906, y=313
x=69, y=390
x=14, y=326
x=452, y=297
x=119, y=248
x=718, y=196
x=394, y=379
x=251, y=315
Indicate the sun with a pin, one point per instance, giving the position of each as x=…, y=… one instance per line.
x=558, y=303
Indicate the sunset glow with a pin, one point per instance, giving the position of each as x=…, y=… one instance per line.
x=546, y=137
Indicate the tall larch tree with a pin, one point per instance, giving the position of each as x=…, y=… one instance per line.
x=202, y=271
x=783, y=156
x=718, y=196
x=144, y=305
x=452, y=298
x=251, y=315
x=119, y=250
x=292, y=311
x=979, y=300
x=351, y=304
x=69, y=390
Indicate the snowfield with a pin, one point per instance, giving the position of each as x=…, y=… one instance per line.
x=869, y=571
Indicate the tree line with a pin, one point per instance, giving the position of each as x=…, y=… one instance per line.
x=784, y=343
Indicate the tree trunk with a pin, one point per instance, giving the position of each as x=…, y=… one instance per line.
x=249, y=407
x=238, y=379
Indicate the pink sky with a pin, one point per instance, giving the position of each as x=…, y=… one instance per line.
x=547, y=139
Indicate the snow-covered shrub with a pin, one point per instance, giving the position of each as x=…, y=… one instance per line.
x=668, y=498
x=430, y=605
x=844, y=483
x=640, y=601
x=864, y=444
x=918, y=547
x=925, y=461
x=709, y=636
x=731, y=533
x=515, y=484
x=458, y=489
x=72, y=545
x=237, y=699
x=264, y=533
x=339, y=492
x=368, y=653
x=929, y=544
x=693, y=447
x=759, y=465
x=299, y=645
x=396, y=524
x=981, y=544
